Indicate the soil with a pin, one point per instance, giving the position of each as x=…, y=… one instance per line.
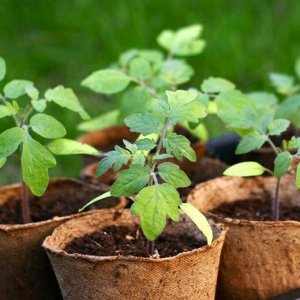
x=256, y=210
x=43, y=209
x=124, y=240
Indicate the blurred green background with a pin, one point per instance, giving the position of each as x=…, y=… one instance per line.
x=60, y=42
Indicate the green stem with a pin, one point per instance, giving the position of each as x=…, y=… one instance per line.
x=25, y=203
x=276, y=201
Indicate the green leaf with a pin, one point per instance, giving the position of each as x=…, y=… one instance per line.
x=263, y=100
x=16, y=88
x=172, y=174
x=101, y=197
x=144, y=123
x=179, y=146
x=290, y=109
x=153, y=204
x=32, y=92
x=130, y=181
x=145, y=144
x=2, y=68
x=107, y=81
x=297, y=67
x=183, y=42
x=2, y=162
x=39, y=105
x=103, y=121
x=283, y=83
x=67, y=147
x=140, y=68
x=47, y=126
x=65, y=97
x=199, y=219
x=282, y=163
x=10, y=140
x=184, y=106
x=278, y=126
x=5, y=111
x=214, y=85
x=117, y=157
x=245, y=169
x=36, y=160
x=250, y=142
x=127, y=56
x=298, y=177
x=175, y=72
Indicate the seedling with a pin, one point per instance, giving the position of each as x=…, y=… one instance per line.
x=30, y=120
x=143, y=76
x=150, y=181
x=257, y=125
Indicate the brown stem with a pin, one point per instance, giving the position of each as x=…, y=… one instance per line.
x=25, y=204
x=276, y=201
x=150, y=248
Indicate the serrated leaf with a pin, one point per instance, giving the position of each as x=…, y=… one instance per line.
x=35, y=161
x=251, y=142
x=298, y=177
x=145, y=144
x=282, y=163
x=103, y=121
x=47, y=126
x=278, y=126
x=179, y=146
x=199, y=219
x=263, y=100
x=130, y=181
x=2, y=68
x=184, y=106
x=2, y=162
x=172, y=174
x=67, y=147
x=93, y=201
x=245, y=169
x=10, y=140
x=183, y=42
x=16, y=88
x=175, y=72
x=116, y=158
x=153, y=204
x=144, y=123
x=283, y=83
x=107, y=81
x=140, y=68
x=5, y=111
x=214, y=85
x=290, y=109
x=39, y=105
x=164, y=156
x=65, y=97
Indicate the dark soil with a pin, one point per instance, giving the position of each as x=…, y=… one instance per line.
x=256, y=210
x=60, y=204
x=123, y=240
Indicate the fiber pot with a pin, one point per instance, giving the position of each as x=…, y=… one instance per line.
x=25, y=270
x=260, y=259
x=189, y=275
x=204, y=169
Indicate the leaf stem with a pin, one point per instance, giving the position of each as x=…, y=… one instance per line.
x=150, y=248
x=18, y=123
x=276, y=201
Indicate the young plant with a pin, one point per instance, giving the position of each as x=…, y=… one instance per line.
x=30, y=120
x=143, y=76
x=148, y=179
x=257, y=125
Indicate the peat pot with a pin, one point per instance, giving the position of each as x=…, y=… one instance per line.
x=188, y=275
x=260, y=259
x=25, y=272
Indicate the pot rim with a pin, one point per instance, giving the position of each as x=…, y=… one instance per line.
x=130, y=258
x=8, y=228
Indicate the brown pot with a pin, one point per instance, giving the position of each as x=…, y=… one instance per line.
x=189, y=275
x=25, y=270
x=259, y=259
x=204, y=169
